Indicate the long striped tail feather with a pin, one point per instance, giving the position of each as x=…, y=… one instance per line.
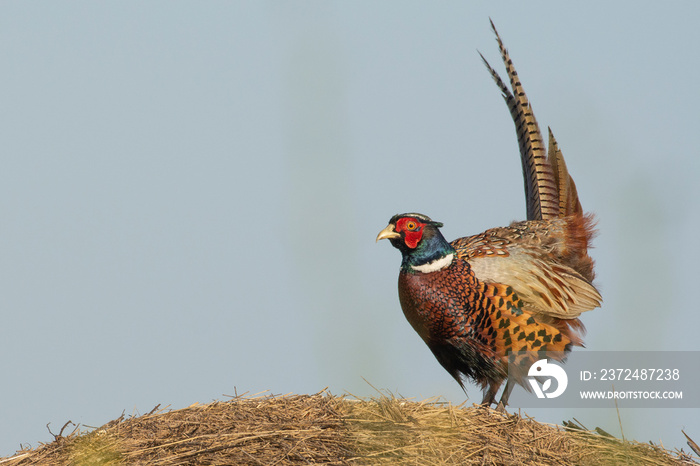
x=569, y=203
x=550, y=191
x=541, y=188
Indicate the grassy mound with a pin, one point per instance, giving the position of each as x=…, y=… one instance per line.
x=322, y=428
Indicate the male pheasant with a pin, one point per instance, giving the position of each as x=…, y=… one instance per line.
x=510, y=294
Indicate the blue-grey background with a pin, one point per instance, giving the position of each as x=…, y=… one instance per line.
x=190, y=192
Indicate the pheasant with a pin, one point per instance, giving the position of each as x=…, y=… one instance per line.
x=509, y=295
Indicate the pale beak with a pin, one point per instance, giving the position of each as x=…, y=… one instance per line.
x=388, y=233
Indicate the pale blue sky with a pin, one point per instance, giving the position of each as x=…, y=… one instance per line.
x=190, y=191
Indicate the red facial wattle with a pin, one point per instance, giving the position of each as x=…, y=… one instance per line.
x=412, y=229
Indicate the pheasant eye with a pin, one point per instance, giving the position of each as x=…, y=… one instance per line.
x=411, y=225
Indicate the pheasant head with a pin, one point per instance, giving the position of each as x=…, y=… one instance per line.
x=422, y=246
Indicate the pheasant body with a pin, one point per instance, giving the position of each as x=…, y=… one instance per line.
x=508, y=296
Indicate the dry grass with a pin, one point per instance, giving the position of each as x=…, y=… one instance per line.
x=326, y=429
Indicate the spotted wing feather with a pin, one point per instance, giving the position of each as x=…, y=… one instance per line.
x=538, y=262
